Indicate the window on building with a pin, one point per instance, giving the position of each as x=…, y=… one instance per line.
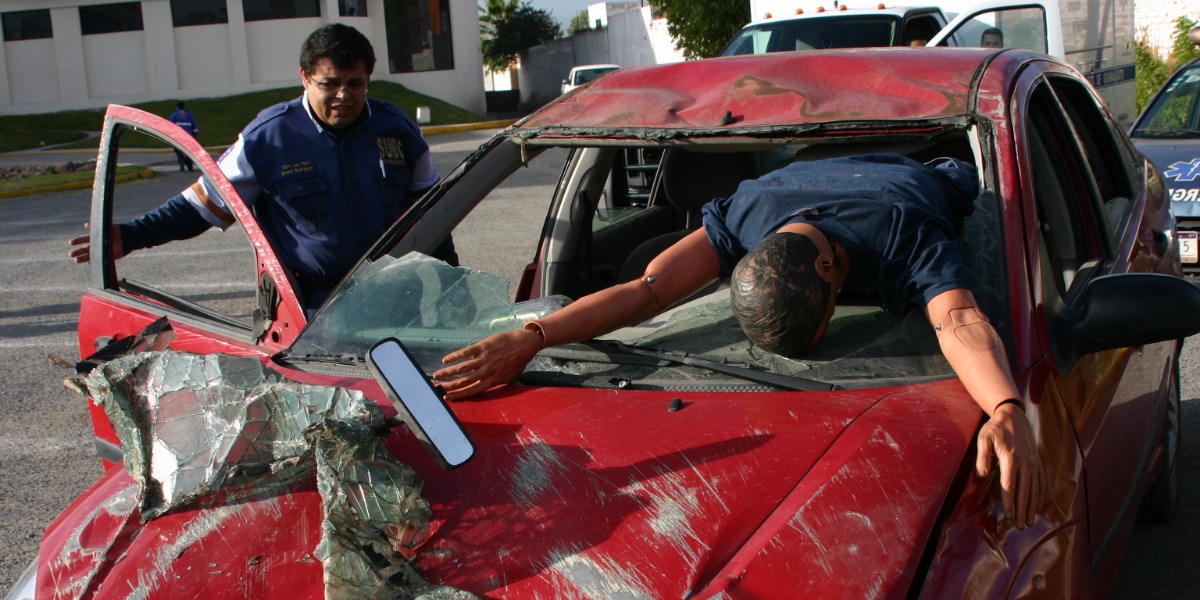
x=418, y=35
x=266, y=10
x=27, y=25
x=185, y=13
x=352, y=8
x=110, y=18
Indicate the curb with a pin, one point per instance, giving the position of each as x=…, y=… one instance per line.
x=143, y=174
x=428, y=130
x=436, y=129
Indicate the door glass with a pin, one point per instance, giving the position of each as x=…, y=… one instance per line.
x=212, y=275
x=1012, y=28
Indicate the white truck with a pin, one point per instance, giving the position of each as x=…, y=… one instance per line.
x=1096, y=37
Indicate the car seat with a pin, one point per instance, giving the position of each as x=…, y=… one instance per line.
x=688, y=180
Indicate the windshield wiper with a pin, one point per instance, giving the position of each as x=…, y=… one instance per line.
x=787, y=382
x=347, y=358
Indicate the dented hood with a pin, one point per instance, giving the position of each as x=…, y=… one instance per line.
x=590, y=493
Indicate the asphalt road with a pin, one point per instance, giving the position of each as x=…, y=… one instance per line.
x=46, y=454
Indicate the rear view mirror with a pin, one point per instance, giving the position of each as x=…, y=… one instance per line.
x=419, y=404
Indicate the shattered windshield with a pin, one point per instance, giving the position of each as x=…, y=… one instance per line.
x=583, y=232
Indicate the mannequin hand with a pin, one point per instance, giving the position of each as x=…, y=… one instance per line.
x=1007, y=438
x=495, y=360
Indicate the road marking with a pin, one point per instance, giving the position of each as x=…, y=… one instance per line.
x=157, y=254
x=167, y=287
x=36, y=343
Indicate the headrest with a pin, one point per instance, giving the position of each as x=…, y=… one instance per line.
x=691, y=179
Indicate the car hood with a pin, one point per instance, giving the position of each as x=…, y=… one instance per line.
x=590, y=493
x=1179, y=161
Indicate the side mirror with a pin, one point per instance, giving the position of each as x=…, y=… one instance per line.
x=1129, y=309
x=419, y=404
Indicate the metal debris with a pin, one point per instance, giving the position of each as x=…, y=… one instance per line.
x=192, y=424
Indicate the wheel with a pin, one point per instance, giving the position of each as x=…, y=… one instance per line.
x=1161, y=503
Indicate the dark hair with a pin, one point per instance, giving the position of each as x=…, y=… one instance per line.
x=777, y=295
x=179, y=105
x=992, y=31
x=345, y=46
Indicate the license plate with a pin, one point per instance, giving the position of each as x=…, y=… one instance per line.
x=1187, y=247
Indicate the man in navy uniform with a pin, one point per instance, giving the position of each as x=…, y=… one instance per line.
x=325, y=174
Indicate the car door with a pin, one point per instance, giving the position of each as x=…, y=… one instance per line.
x=1091, y=221
x=221, y=291
x=1031, y=25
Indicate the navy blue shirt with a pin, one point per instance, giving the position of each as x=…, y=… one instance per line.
x=895, y=217
x=326, y=196
x=322, y=197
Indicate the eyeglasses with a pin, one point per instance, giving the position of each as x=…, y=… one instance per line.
x=334, y=87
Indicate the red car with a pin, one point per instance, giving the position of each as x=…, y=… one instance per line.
x=672, y=459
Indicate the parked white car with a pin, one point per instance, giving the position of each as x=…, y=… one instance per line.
x=583, y=74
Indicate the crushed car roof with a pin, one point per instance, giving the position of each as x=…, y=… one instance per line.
x=787, y=88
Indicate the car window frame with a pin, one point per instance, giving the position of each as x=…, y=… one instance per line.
x=283, y=319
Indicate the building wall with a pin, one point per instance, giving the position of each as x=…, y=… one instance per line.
x=636, y=38
x=1155, y=20
x=631, y=38
x=163, y=62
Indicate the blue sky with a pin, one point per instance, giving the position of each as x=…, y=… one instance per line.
x=562, y=10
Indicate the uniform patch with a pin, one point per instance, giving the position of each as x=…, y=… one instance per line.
x=391, y=151
x=296, y=167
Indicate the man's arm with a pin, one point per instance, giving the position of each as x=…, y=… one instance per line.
x=679, y=271
x=183, y=216
x=174, y=220
x=975, y=351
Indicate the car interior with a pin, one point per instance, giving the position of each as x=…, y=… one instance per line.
x=579, y=259
x=613, y=208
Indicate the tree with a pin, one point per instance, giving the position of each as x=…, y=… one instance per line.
x=509, y=27
x=1152, y=72
x=701, y=28
x=1183, y=49
x=579, y=23
x=1149, y=74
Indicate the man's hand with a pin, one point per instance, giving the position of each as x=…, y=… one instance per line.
x=495, y=360
x=81, y=246
x=1008, y=439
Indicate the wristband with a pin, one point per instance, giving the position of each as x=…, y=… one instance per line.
x=536, y=327
x=1009, y=401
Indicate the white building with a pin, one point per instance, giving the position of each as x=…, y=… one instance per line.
x=75, y=54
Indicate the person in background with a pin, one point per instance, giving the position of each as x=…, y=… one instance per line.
x=992, y=37
x=325, y=174
x=187, y=122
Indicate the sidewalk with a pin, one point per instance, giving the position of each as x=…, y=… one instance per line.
x=53, y=155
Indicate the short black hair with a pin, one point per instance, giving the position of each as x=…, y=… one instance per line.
x=777, y=295
x=992, y=31
x=345, y=46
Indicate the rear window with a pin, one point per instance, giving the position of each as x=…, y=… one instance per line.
x=815, y=34
x=585, y=75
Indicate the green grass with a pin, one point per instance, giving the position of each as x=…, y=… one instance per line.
x=220, y=119
x=16, y=186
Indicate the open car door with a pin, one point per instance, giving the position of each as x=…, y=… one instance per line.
x=222, y=291
x=1029, y=25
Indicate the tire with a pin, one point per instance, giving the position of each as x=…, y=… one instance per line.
x=1162, y=502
